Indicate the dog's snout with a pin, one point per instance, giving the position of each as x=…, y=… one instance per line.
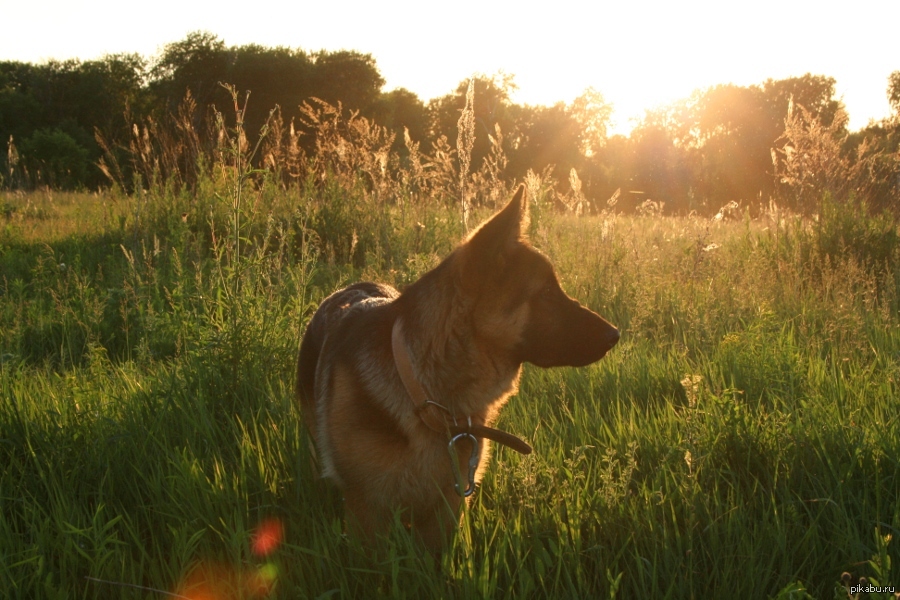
x=606, y=338
x=613, y=337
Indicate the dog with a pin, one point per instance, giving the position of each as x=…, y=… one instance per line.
x=399, y=390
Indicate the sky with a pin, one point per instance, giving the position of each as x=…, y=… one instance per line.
x=639, y=54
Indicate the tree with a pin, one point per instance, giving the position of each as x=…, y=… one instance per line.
x=815, y=93
x=660, y=167
x=399, y=109
x=348, y=77
x=893, y=92
x=548, y=136
x=735, y=146
x=492, y=107
x=52, y=157
x=592, y=113
x=51, y=107
x=197, y=63
x=720, y=140
x=877, y=147
x=20, y=110
x=274, y=77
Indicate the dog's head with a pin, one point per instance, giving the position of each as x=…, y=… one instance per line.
x=518, y=305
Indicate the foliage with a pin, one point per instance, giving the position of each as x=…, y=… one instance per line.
x=694, y=155
x=894, y=92
x=715, y=147
x=400, y=110
x=492, y=107
x=738, y=441
x=813, y=161
x=196, y=63
x=54, y=158
x=847, y=230
x=277, y=77
x=71, y=99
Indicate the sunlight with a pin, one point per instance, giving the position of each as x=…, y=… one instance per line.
x=638, y=55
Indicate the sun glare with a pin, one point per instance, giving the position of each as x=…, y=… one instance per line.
x=638, y=55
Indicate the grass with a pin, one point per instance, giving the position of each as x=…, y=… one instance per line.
x=740, y=441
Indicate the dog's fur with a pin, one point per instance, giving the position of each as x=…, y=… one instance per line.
x=468, y=325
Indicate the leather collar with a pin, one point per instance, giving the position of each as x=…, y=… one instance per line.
x=435, y=416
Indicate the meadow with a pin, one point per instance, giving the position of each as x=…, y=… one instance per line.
x=739, y=442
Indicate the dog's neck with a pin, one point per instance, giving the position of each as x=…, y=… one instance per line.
x=439, y=418
x=456, y=367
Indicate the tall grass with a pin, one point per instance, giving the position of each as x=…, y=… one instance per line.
x=740, y=441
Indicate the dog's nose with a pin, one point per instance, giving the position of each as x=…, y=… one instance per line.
x=613, y=337
x=608, y=334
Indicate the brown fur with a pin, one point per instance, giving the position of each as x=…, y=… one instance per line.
x=468, y=325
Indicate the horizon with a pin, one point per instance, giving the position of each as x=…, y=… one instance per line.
x=638, y=57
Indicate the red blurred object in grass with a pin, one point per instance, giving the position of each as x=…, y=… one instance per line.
x=267, y=537
x=212, y=581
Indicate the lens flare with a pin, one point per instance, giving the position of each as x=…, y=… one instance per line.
x=216, y=581
x=267, y=537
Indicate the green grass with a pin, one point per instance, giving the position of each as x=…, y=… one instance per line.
x=740, y=441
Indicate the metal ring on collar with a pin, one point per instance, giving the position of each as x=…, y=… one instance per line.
x=474, y=457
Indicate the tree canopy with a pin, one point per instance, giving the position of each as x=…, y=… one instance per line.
x=700, y=153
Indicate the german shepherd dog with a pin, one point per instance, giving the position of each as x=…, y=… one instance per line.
x=399, y=391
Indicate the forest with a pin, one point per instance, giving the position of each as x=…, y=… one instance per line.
x=125, y=120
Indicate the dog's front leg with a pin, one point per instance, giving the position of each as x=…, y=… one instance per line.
x=365, y=520
x=437, y=525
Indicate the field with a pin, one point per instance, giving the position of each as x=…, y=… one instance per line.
x=741, y=441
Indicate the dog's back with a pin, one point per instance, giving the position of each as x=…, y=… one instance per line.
x=359, y=296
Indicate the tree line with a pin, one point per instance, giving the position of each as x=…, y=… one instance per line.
x=723, y=144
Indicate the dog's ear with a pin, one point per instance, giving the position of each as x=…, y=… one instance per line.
x=505, y=228
x=489, y=247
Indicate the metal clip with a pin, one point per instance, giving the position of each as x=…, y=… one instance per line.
x=473, y=464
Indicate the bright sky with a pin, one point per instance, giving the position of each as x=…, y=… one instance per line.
x=637, y=53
